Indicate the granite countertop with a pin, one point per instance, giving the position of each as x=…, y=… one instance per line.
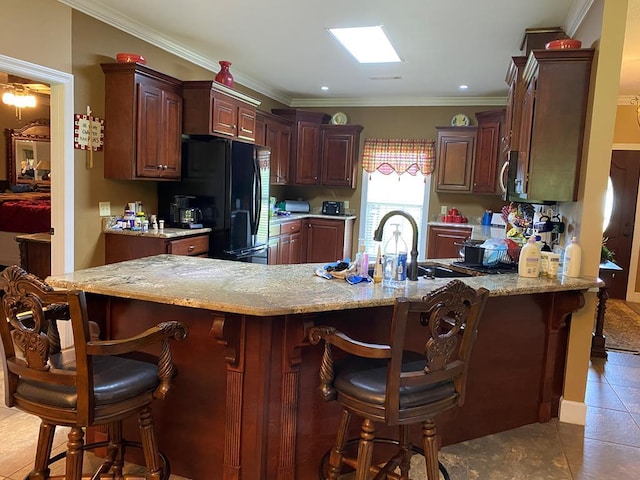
x=478, y=232
x=264, y=290
x=166, y=233
x=299, y=216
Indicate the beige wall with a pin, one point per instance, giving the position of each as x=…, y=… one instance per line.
x=627, y=128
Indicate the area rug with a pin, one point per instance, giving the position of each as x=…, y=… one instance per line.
x=622, y=326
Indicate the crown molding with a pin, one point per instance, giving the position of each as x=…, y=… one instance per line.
x=399, y=102
x=626, y=99
x=577, y=12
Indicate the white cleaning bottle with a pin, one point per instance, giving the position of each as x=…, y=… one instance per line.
x=572, y=259
x=529, y=262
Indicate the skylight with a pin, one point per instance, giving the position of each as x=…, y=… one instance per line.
x=366, y=44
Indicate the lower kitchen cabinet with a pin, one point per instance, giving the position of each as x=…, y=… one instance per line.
x=121, y=246
x=35, y=253
x=328, y=240
x=285, y=243
x=443, y=242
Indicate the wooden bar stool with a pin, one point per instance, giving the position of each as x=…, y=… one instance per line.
x=389, y=384
x=90, y=384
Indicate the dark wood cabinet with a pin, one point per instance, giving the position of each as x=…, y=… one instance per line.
x=305, y=144
x=35, y=253
x=328, y=240
x=275, y=133
x=552, y=124
x=321, y=154
x=340, y=145
x=285, y=243
x=513, y=111
x=455, y=157
x=143, y=123
x=121, y=246
x=211, y=108
x=489, y=156
x=444, y=242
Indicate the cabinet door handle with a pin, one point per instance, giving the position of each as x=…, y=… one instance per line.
x=191, y=248
x=309, y=225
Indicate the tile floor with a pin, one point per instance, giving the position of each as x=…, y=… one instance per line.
x=608, y=447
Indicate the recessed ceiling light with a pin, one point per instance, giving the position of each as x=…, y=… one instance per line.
x=366, y=44
x=463, y=87
x=324, y=88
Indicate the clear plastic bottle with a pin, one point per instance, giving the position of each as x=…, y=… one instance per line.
x=362, y=260
x=529, y=261
x=572, y=259
x=395, y=260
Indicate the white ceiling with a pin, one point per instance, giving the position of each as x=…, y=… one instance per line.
x=281, y=47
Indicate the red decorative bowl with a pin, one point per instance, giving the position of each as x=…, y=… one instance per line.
x=563, y=43
x=130, y=58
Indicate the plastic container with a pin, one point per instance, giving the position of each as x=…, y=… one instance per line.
x=395, y=260
x=362, y=260
x=572, y=259
x=529, y=261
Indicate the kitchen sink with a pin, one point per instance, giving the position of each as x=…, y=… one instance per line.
x=435, y=271
x=438, y=271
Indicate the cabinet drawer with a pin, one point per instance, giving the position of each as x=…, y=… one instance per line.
x=189, y=246
x=290, y=227
x=274, y=230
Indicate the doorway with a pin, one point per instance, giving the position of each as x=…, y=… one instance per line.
x=625, y=175
x=62, y=185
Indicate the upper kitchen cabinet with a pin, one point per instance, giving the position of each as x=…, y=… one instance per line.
x=552, y=124
x=456, y=152
x=211, y=108
x=490, y=155
x=513, y=114
x=340, y=145
x=143, y=123
x=305, y=144
x=275, y=133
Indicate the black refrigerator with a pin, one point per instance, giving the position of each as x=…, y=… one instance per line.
x=227, y=182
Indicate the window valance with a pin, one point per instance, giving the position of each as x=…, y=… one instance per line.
x=398, y=155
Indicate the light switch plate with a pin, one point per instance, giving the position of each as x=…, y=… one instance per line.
x=105, y=209
x=346, y=204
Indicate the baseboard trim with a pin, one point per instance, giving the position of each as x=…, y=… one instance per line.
x=572, y=412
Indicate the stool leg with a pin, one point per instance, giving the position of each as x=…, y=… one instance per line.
x=149, y=444
x=116, y=448
x=365, y=449
x=335, y=459
x=405, y=463
x=43, y=451
x=73, y=467
x=430, y=446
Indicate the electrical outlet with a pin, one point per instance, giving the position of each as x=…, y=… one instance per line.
x=346, y=204
x=105, y=209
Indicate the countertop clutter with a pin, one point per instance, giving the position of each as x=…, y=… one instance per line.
x=264, y=290
x=164, y=233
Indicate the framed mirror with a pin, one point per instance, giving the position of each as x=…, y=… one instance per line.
x=29, y=154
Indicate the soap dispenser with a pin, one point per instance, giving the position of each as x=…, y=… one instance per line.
x=395, y=260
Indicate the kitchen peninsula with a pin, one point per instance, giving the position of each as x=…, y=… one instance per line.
x=246, y=402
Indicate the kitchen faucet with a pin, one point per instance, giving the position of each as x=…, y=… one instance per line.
x=377, y=236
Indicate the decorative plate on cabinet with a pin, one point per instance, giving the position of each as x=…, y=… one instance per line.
x=460, y=120
x=339, y=119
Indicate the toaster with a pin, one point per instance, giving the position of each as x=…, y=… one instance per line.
x=332, y=208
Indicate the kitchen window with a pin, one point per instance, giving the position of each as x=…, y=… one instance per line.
x=396, y=176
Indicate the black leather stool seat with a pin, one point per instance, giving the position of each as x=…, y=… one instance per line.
x=366, y=380
x=115, y=379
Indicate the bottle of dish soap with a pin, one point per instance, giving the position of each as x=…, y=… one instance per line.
x=572, y=259
x=377, y=270
x=395, y=260
x=529, y=261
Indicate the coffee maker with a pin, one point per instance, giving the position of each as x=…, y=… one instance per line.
x=184, y=215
